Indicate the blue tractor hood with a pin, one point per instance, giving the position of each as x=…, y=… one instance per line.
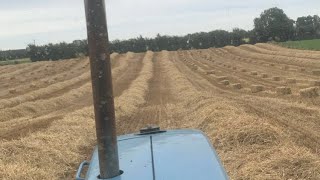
x=169, y=155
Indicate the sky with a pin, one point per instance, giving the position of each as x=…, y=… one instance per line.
x=53, y=21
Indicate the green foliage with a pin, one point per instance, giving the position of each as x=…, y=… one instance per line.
x=308, y=27
x=273, y=24
x=238, y=36
x=305, y=44
x=57, y=51
x=16, y=61
x=218, y=38
x=13, y=54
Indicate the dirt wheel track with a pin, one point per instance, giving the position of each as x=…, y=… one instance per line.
x=153, y=111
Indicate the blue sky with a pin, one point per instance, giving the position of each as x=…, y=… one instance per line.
x=54, y=21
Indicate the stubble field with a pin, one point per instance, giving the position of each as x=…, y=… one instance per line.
x=258, y=104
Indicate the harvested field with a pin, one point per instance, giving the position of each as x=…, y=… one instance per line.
x=254, y=73
x=276, y=78
x=316, y=72
x=262, y=117
x=225, y=82
x=283, y=90
x=236, y=86
x=291, y=81
x=315, y=83
x=256, y=88
x=264, y=75
x=309, y=92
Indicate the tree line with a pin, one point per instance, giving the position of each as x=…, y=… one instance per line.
x=13, y=54
x=57, y=51
x=272, y=25
x=217, y=38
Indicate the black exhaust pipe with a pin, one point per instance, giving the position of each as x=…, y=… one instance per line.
x=102, y=88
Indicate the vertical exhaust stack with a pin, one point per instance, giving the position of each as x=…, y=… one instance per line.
x=102, y=88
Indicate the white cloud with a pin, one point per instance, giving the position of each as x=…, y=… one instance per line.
x=17, y=22
x=64, y=19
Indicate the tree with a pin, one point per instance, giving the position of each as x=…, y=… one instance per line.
x=202, y=40
x=220, y=38
x=238, y=36
x=57, y=51
x=273, y=24
x=13, y=54
x=252, y=37
x=308, y=27
x=304, y=27
x=316, y=22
